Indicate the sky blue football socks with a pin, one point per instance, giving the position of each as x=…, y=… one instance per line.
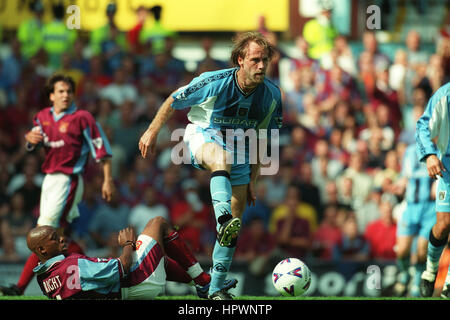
x=221, y=192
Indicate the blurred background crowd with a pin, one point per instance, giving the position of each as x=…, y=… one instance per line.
x=349, y=114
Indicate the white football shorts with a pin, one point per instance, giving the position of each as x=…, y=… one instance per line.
x=60, y=195
x=147, y=276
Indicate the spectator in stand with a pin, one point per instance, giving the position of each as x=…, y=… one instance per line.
x=369, y=211
x=108, y=32
x=14, y=228
x=109, y=219
x=130, y=190
x=67, y=68
x=208, y=63
x=146, y=210
x=293, y=203
x=389, y=171
x=416, y=56
x=381, y=233
x=261, y=210
x=370, y=44
x=133, y=35
x=10, y=70
x=119, y=90
x=155, y=33
x=56, y=37
x=383, y=94
x=376, y=155
x=88, y=208
x=30, y=190
x=79, y=59
x=361, y=181
x=328, y=234
x=319, y=32
x=300, y=58
x=398, y=70
x=323, y=166
x=303, y=82
x=308, y=189
x=353, y=246
x=255, y=246
x=168, y=186
x=192, y=217
x=29, y=32
x=291, y=231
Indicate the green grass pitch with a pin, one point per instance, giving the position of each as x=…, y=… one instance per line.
x=254, y=298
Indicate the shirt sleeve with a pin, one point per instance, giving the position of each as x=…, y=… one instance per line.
x=96, y=139
x=196, y=92
x=429, y=125
x=101, y=275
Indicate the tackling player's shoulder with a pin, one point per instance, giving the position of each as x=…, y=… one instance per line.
x=210, y=79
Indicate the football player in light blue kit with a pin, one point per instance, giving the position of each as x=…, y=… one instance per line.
x=220, y=102
x=416, y=221
x=433, y=148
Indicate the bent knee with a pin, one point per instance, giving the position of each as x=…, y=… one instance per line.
x=154, y=226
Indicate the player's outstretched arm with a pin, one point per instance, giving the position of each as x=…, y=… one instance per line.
x=147, y=142
x=108, y=188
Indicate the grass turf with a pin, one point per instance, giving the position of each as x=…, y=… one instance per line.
x=251, y=298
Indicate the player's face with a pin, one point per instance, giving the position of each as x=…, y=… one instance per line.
x=61, y=96
x=55, y=243
x=254, y=65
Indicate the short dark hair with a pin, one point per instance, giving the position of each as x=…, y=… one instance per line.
x=241, y=41
x=56, y=78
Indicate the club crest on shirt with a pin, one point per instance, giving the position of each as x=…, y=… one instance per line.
x=63, y=127
x=97, y=142
x=441, y=195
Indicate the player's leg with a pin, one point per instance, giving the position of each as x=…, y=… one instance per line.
x=403, y=245
x=176, y=249
x=437, y=240
x=419, y=266
x=223, y=256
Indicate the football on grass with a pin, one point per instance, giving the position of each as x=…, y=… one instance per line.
x=291, y=277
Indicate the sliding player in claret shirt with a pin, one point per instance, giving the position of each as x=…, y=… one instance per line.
x=141, y=271
x=68, y=135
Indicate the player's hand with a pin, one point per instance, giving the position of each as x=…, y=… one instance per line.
x=434, y=166
x=126, y=236
x=251, y=195
x=147, y=142
x=34, y=136
x=108, y=190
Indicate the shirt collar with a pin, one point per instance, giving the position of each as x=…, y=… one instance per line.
x=43, y=267
x=72, y=108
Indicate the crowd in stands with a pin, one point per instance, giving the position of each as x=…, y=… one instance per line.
x=347, y=122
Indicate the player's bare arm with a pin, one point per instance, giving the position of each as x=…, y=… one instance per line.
x=127, y=240
x=147, y=142
x=251, y=191
x=434, y=166
x=108, y=188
